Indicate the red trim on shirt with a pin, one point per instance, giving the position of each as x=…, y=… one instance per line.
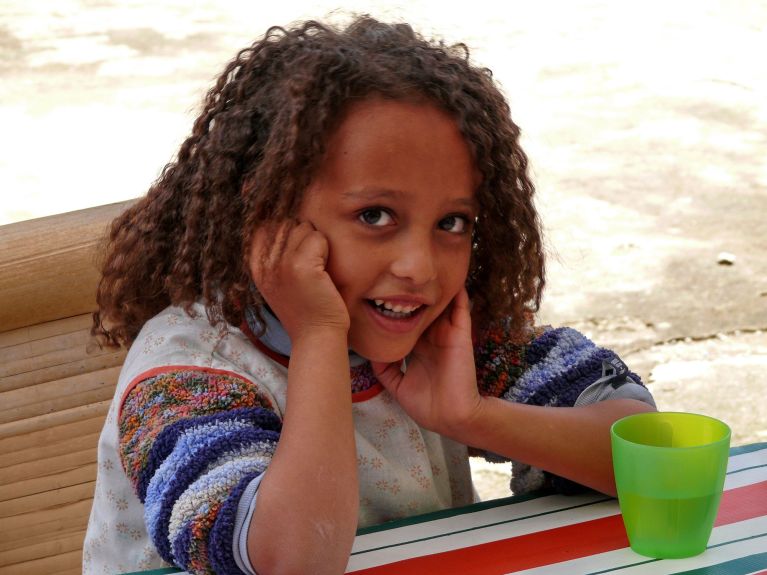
x=369, y=393
x=278, y=357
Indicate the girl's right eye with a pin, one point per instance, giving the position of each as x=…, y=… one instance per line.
x=376, y=217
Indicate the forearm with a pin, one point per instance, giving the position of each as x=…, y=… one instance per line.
x=306, y=515
x=572, y=442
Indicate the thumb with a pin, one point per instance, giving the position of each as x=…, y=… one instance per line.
x=460, y=315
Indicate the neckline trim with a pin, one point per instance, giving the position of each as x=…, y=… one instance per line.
x=284, y=360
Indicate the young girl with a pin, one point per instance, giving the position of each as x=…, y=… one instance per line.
x=327, y=298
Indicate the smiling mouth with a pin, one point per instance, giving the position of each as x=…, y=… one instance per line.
x=395, y=311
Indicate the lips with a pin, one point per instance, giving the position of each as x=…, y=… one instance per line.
x=395, y=315
x=394, y=309
x=399, y=314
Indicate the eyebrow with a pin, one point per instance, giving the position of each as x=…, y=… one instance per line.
x=373, y=194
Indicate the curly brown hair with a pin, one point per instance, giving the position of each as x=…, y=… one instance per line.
x=256, y=145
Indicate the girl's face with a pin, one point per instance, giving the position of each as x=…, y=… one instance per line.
x=395, y=199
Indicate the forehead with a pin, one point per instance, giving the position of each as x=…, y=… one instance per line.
x=407, y=147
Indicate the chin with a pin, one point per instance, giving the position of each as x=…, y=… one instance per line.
x=382, y=354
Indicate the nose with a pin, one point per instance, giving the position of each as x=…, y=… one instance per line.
x=414, y=259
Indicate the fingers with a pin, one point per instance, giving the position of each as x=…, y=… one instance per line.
x=309, y=246
x=271, y=240
x=274, y=243
x=388, y=375
x=287, y=254
x=297, y=235
x=288, y=265
x=460, y=314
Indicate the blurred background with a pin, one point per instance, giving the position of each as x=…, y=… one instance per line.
x=645, y=124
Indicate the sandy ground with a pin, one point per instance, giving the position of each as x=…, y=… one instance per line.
x=646, y=125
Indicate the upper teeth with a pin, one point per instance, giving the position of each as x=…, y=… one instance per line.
x=397, y=307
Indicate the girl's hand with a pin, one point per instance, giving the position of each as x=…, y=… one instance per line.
x=287, y=264
x=439, y=386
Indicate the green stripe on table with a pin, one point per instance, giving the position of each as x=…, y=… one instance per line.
x=752, y=562
x=739, y=566
x=452, y=512
x=741, y=449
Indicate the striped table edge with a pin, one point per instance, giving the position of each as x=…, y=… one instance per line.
x=556, y=534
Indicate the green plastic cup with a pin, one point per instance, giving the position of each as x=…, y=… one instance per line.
x=669, y=472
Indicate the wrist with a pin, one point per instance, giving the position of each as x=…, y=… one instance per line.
x=319, y=362
x=468, y=427
x=324, y=335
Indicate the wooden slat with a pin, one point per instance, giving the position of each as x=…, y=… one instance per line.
x=12, y=447
x=70, y=560
x=103, y=393
x=43, y=501
x=46, y=451
x=35, y=354
x=26, y=350
x=46, y=483
x=39, y=468
x=55, y=358
x=62, y=544
x=62, y=417
x=40, y=524
x=47, y=268
x=72, y=571
x=71, y=348
x=62, y=370
x=32, y=364
x=45, y=330
x=30, y=402
x=52, y=358
x=55, y=390
x=50, y=533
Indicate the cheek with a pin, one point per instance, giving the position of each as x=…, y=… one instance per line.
x=345, y=265
x=456, y=270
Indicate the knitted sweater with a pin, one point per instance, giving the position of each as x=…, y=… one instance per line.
x=197, y=413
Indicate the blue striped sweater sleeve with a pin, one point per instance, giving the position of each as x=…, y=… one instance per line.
x=545, y=367
x=190, y=442
x=560, y=364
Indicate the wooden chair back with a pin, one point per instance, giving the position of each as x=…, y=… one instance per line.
x=55, y=388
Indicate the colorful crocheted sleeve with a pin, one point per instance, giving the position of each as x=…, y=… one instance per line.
x=191, y=440
x=547, y=367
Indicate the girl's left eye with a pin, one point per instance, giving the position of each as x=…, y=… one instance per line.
x=454, y=224
x=376, y=217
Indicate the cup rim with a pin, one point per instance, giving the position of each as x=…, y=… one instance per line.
x=725, y=438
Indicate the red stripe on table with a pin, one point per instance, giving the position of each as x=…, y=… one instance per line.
x=559, y=544
x=742, y=503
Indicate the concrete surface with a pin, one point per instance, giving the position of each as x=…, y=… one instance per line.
x=645, y=123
